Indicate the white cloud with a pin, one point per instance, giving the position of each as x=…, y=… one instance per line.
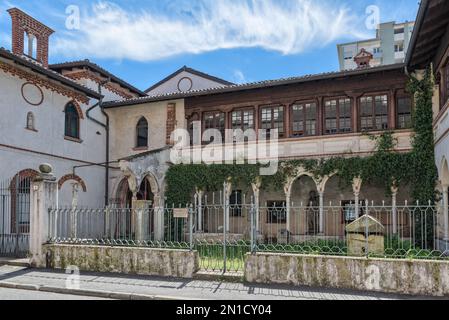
x=286, y=26
x=239, y=77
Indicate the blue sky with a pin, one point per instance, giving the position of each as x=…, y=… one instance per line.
x=237, y=40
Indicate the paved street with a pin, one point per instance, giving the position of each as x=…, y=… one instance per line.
x=162, y=288
x=15, y=294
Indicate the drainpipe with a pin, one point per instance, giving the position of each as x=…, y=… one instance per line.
x=106, y=127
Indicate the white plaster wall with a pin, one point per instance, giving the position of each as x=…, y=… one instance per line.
x=108, y=94
x=199, y=83
x=49, y=139
x=123, y=123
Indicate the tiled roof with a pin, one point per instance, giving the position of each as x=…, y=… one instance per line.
x=39, y=68
x=253, y=85
x=97, y=68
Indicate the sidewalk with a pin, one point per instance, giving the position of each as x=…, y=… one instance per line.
x=151, y=288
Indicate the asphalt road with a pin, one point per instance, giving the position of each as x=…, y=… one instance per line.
x=15, y=294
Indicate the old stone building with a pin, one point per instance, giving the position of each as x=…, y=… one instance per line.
x=114, y=142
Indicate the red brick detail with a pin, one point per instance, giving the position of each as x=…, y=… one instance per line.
x=23, y=23
x=78, y=109
x=171, y=122
x=14, y=189
x=87, y=74
x=43, y=83
x=69, y=177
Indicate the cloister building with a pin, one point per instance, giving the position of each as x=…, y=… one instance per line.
x=114, y=142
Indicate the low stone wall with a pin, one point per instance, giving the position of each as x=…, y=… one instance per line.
x=417, y=277
x=126, y=260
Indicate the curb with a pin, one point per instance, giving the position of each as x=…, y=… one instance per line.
x=90, y=293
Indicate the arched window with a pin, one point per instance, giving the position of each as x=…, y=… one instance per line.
x=30, y=121
x=142, y=133
x=72, y=123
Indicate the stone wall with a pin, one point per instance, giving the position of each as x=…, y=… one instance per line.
x=126, y=260
x=382, y=275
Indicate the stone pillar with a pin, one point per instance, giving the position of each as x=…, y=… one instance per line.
x=228, y=191
x=356, y=187
x=44, y=194
x=159, y=210
x=446, y=212
x=394, y=208
x=200, y=195
x=75, y=188
x=73, y=212
x=141, y=218
x=288, y=200
x=320, y=188
x=256, y=191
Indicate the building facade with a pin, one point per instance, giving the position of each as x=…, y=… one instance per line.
x=389, y=47
x=430, y=49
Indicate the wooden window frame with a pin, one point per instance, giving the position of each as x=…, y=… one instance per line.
x=293, y=133
x=262, y=108
x=203, y=124
x=338, y=115
x=373, y=111
x=412, y=104
x=242, y=110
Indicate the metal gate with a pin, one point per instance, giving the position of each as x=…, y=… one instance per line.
x=15, y=217
x=223, y=231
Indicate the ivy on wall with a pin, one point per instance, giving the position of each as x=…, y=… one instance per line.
x=425, y=173
x=384, y=168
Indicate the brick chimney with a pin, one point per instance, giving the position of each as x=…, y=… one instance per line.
x=363, y=59
x=26, y=28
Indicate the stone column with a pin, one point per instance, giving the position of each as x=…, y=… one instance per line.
x=446, y=211
x=73, y=212
x=288, y=200
x=159, y=210
x=356, y=187
x=141, y=215
x=44, y=194
x=200, y=195
x=228, y=191
x=256, y=191
x=394, y=209
x=320, y=188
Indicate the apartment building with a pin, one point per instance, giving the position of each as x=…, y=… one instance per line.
x=389, y=47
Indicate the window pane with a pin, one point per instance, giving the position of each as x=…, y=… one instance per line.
x=71, y=122
x=298, y=120
x=345, y=115
x=331, y=116
x=404, y=115
x=381, y=110
x=142, y=133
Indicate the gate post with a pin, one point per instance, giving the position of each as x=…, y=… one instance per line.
x=159, y=211
x=43, y=197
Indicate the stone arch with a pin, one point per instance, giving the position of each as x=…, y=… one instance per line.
x=291, y=181
x=444, y=172
x=73, y=177
x=123, y=193
x=151, y=178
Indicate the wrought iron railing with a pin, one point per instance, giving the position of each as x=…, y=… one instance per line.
x=224, y=234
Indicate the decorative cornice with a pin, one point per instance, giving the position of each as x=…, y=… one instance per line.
x=42, y=82
x=87, y=74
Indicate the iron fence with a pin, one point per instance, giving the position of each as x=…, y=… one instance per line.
x=14, y=217
x=224, y=233
x=119, y=227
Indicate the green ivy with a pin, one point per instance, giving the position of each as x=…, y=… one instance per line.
x=425, y=173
